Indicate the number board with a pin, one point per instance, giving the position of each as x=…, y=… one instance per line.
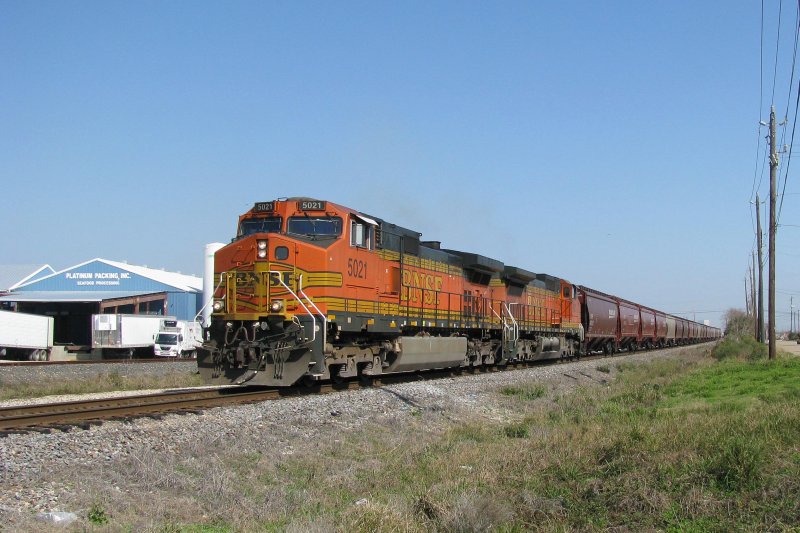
x=311, y=205
x=264, y=206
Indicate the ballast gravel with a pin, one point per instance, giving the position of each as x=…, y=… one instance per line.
x=37, y=373
x=31, y=464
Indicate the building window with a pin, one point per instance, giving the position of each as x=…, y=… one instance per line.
x=153, y=307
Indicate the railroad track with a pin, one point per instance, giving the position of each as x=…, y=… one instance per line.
x=87, y=412
x=84, y=413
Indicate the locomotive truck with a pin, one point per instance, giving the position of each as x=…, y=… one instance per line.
x=309, y=290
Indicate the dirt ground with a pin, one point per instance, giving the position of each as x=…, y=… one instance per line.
x=789, y=346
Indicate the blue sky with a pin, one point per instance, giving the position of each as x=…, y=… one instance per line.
x=610, y=143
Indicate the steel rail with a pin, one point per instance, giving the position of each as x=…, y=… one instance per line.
x=75, y=412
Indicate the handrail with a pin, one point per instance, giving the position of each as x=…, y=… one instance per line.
x=324, y=318
x=285, y=286
x=211, y=299
x=513, y=320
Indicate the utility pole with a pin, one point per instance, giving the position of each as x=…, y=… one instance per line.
x=773, y=176
x=747, y=295
x=791, y=314
x=753, y=295
x=760, y=312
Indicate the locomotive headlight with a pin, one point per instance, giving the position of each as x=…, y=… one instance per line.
x=261, y=247
x=276, y=306
x=218, y=305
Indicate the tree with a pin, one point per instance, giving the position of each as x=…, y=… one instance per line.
x=738, y=323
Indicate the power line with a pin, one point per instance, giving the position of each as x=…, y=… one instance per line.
x=794, y=58
x=695, y=312
x=789, y=157
x=796, y=105
x=791, y=78
x=777, y=50
x=760, y=105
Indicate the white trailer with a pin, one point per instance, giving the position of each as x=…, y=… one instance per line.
x=126, y=335
x=24, y=336
x=178, y=338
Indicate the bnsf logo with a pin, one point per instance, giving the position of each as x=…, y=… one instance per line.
x=247, y=279
x=275, y=279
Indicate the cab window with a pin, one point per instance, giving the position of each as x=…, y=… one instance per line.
x=360, y=234
x=260, y=225
x=317, y=227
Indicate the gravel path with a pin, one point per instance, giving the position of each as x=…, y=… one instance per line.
x=38, y=373
x=44, y=471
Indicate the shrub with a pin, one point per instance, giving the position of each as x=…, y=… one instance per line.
x=97, y=515
x=744, y=348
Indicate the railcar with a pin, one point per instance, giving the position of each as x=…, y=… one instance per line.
x=309, y=290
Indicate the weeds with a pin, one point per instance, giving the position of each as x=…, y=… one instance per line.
x=744, y=347
x=97, y=515
x=660, y=448
x=516, y=431
x=527, y=392
x=735, y=463
x=112, y=381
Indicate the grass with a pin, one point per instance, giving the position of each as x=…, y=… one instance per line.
x=527, y=392
x=737, y=385
x=100, y=383
x=686, y=444
x=740, y=347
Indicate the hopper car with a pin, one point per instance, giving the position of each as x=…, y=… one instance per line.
x=310, y=291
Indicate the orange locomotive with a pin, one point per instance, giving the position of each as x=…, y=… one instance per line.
x=310, y=290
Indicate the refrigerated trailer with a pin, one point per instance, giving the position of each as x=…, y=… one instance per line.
x=24, y=336
x=125, y=335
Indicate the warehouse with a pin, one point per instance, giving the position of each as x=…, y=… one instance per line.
x=73, y=295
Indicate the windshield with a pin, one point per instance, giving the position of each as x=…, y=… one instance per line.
x=315, y=226
x=167, y=338
x=260, y=225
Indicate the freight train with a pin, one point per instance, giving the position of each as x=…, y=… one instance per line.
x=309, y=290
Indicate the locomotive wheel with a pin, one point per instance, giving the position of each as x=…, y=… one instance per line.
x=363, y=378
x=335, y=371
x=309, y=382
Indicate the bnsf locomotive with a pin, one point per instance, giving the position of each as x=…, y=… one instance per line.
x=309, y=290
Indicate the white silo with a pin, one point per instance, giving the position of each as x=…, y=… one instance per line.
x=208, y=280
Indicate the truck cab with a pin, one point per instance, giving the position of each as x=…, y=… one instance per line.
x=178, y=338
